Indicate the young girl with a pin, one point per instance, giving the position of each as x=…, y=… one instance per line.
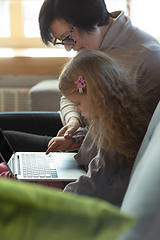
x=117, y=122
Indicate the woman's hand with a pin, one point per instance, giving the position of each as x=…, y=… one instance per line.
x=59, y=144
x=69, y=128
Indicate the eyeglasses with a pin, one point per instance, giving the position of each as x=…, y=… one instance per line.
x=67, y=41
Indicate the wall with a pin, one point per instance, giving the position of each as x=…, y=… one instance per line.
x=18, y=74
x=27, y=71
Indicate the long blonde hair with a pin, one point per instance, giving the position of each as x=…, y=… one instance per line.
x=117, y=108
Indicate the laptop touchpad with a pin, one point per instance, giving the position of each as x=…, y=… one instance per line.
x=69, y=164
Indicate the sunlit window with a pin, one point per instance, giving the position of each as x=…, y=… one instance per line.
x=4, y=19
x=115, y=5
x=30, y=18
x=19, y=24
x=145, y=15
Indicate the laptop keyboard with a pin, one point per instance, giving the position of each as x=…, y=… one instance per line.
x=41, y=167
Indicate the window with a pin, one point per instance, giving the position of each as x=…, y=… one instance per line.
x=19, y=20
x=30, y=10
x=4, y=19
x=115, y=5
x=143, y=13
x=19, y=24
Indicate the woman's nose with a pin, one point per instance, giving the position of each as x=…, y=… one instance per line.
x=68, y=47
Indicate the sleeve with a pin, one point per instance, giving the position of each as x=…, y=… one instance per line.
x=100, y=170
x=79, y=134
x=67, y=110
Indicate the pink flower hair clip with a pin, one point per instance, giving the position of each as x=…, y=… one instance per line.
x=80, y=84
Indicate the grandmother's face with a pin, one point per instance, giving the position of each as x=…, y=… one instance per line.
x=61, y=29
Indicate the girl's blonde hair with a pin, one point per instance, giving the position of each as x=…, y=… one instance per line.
x=117, y=108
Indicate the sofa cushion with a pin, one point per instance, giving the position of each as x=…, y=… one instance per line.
x=45, y=96
x=29, y=211
x=143, y=194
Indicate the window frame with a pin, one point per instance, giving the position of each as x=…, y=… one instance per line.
x=17, y=38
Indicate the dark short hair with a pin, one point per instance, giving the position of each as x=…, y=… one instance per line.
x=84, y=14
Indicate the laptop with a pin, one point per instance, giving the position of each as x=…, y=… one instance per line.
x=37, y=166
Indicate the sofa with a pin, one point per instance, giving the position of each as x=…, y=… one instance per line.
x=142, y=198
x=34, y=212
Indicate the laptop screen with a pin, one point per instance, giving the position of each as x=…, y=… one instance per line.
x=5, y=148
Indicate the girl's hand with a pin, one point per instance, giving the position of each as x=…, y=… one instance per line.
x=75, y=146
x=59, y=144
x=69, y=128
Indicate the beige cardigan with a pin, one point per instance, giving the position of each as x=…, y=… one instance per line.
x=138, y=55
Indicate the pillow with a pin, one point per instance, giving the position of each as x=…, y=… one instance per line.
x=33, y=212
